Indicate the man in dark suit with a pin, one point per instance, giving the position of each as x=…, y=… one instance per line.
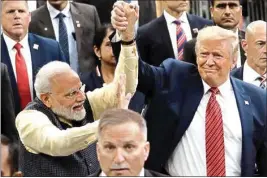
x=157, y=40
x=7, y=106
x=226, y=14
x=201, y=122
x=81, y=22
x=23, y=53
x=254, y=69
x=122, y=146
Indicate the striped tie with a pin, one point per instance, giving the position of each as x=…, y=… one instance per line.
x=180, y=38
x=63, y=35
x=215, y=153
x=262, y=79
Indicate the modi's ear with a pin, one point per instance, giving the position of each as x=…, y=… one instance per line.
x=46, y=99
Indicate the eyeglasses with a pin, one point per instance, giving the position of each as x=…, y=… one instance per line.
x=73, y=93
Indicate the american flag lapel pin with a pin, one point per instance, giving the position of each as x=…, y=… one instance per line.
x=36, y=46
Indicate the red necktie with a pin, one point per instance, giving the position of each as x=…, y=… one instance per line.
x=180, y=38
x=215, y=152
x=22, y=78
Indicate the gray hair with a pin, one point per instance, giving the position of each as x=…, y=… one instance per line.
x=217, y=33
x=43, y=78
x=114, y=117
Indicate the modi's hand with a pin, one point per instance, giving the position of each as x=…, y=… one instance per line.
x=123, y=19
x=123, y=98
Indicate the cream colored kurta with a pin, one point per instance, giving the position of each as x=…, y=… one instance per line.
x=39, y=135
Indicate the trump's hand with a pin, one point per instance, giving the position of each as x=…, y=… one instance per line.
x=123, y=18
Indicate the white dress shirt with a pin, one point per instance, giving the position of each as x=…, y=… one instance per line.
x=189, y=157
x=142, y=173
x=250, y=75
x=26, y=53
x=73, y=54
x=172, y=29
x=238, y=63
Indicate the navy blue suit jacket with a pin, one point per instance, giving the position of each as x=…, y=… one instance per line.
x=154, y=42
x=175, y=90
x=238, y=73
x=48, y=50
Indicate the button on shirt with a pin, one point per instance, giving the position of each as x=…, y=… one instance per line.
x=70, y=29
x=189, y=157
x=172, y=29
x=250, y=75
x=26, y=53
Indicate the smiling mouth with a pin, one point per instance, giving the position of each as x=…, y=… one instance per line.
x=78, y=107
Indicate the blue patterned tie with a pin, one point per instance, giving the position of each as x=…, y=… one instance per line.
x=63, y=35
x=180, y=39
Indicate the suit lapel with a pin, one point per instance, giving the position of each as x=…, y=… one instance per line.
x=35, y=56
x=77, y=22
x=148, y=174
x=165, y=37
x=192, y=25
x=193, y=93
x=244, y=107
x=46, y=23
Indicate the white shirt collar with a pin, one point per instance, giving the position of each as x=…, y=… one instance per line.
x=11, y=43
x=224, y=89
x=54, y=12
x=142, y=173
x=249, y=74
x=170, y=19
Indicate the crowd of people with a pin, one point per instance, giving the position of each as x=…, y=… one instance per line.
x=174, y=95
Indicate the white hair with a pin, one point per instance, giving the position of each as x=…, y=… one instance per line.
x=218, y=33
x=43, y=78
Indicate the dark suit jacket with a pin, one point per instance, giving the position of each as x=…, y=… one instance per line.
x=238, y=73
x=148, y=173
x=147, y=9
x=190, y=54
x=89, y=20
x=48, y=50
x=8, y=127
x=175, y=90
x=154, y=42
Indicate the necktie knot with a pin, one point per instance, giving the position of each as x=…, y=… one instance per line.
x=214, y=90
x=18, y=46
x=60, y=16
x=177, y=22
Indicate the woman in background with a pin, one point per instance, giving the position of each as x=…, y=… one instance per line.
x=106, y=65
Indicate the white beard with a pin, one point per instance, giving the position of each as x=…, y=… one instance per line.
x=69, y=114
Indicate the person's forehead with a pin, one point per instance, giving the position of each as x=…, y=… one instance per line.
x=10, y=4
x=122, y=132
x=216, y=2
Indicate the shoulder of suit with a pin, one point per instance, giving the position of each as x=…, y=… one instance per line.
x=36, y=13
x=152, y=24
x=42, y=39
x=200, y=19
x=83, y=6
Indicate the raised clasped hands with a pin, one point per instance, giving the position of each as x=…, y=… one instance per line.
x=123, y=18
